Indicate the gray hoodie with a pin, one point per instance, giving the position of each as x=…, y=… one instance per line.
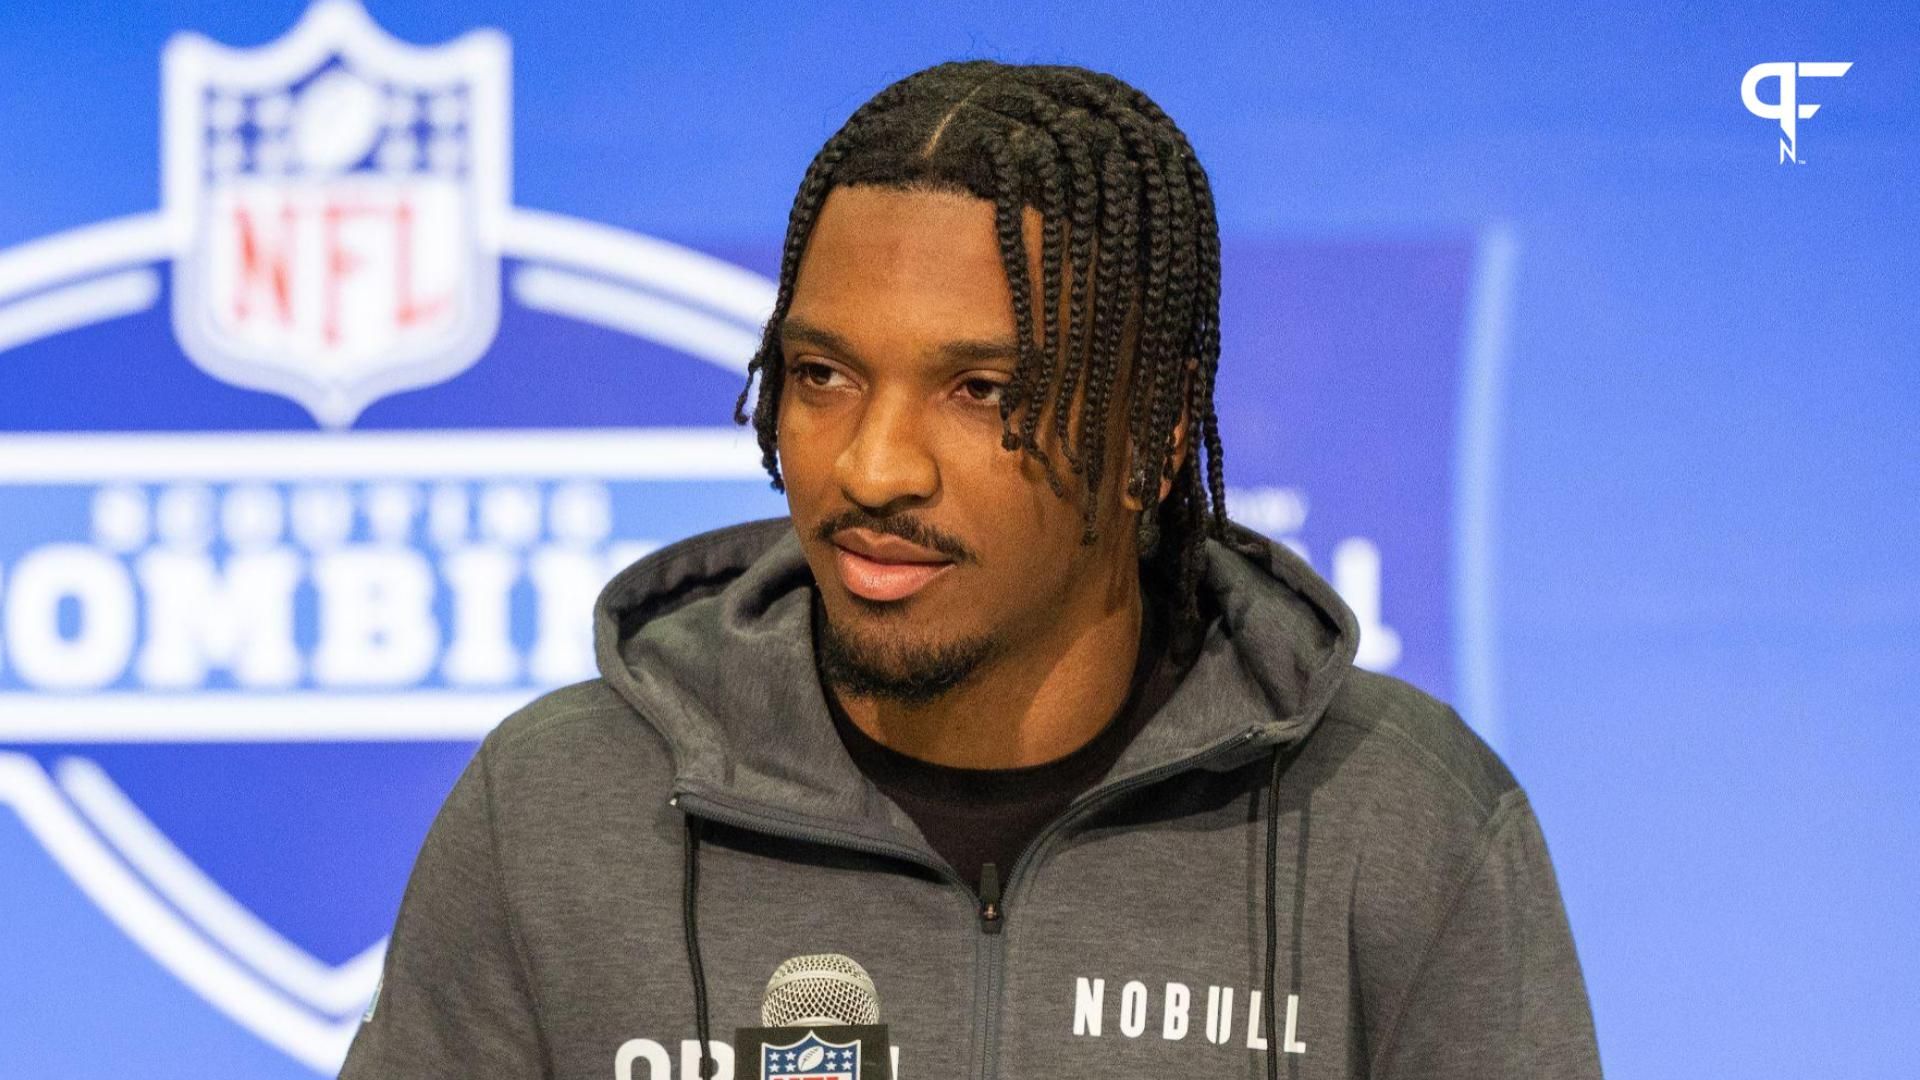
x=1398, y=883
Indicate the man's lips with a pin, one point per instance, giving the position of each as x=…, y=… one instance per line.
x=871, y=579
x=878, y=567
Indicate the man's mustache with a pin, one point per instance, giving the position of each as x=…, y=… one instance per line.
x=910, y=529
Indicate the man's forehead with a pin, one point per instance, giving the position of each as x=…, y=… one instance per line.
x=903, y=272
x=920, y=263
x=873, y=232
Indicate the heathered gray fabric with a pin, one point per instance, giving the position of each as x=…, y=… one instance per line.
x=1421, y=929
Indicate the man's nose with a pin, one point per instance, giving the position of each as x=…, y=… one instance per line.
x=888, y=460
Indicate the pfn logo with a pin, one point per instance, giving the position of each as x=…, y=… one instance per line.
x=1786, y=107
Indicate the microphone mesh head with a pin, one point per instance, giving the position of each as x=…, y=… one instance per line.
x=826, y=988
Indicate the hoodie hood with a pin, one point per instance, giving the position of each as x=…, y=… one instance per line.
x=710, y=640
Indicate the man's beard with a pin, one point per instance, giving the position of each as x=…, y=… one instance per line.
x=908, y=674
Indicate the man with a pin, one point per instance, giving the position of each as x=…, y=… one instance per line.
x=1007, y=711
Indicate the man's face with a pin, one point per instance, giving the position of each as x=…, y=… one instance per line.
x=935, y=549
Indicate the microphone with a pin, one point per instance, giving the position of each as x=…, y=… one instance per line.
x=820, y=1020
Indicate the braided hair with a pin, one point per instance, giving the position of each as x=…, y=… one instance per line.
x=1128, y=225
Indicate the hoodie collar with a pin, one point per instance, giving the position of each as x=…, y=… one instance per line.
x=711, y=641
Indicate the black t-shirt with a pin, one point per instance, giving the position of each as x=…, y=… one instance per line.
x=972, y=817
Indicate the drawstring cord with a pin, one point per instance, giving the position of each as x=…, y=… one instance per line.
x=1282, y=758
x=689, y=918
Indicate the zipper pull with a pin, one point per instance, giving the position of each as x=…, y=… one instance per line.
x=990, y=914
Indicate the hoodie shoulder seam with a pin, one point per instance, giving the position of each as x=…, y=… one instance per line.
x=1506, y=810
x=502, y=896
x=1428, y=760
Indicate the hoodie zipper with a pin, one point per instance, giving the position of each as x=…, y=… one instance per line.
x=990, y=906
x=995, y=954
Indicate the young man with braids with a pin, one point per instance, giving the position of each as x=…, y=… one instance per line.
x=1007, y=710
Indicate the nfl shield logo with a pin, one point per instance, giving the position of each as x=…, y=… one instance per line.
x=811, y=1058
x=337, y=199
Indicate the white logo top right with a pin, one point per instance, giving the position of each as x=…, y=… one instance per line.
x=1786, y=107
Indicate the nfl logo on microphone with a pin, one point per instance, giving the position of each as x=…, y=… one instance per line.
x=811, y=1058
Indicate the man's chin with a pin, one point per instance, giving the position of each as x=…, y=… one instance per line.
x=871, y=662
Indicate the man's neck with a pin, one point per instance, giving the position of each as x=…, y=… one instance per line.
x=1027, y=706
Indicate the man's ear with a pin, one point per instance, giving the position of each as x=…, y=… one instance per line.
x=1177, y=452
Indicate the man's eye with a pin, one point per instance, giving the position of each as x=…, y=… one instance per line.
x=983, y=391
x=813, y=374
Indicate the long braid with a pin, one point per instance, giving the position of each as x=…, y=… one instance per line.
x=1169, y=396
x=1010, y=220
x=1052, y=241
x=1119, y=228
x=1205, y=423
x=1147, y=377
x=1080, y=230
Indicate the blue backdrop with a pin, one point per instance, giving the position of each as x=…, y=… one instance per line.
x=1599, y=411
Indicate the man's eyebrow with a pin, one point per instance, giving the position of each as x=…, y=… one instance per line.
x=956, y=353
x=974, y=351
x=799, y=332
